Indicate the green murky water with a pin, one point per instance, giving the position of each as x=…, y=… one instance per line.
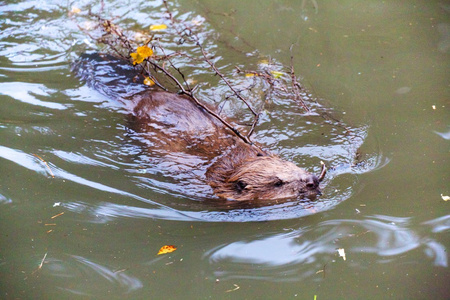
x=379, y=66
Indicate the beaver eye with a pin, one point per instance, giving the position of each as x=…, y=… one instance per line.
x=240, y=185
x=279, y=183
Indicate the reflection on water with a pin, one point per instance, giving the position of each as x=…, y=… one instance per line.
x=28, y=93
x=219, y=210
x=444, y=135
x=300, y=253
x=81, y=270
x=111, y=188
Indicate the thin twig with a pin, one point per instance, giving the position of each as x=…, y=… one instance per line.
x=189, y=93
x=42, y=262
x=50, y=170
x=213, y=66
x=296, y=87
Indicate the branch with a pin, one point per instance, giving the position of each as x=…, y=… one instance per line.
x=296, y=87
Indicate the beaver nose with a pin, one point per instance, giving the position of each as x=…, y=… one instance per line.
x=311, y=181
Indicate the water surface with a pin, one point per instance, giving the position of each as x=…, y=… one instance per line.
x=381, y=68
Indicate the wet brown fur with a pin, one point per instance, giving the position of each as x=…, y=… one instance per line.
x=239, y=171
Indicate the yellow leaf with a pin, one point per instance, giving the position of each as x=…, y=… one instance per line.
x=148, y=81
x=156, y=27
x=167, y=249
x=445, y=198
x=277, y=74
x=249, y=74
x=136, y=58
x=75, y=10
x=142, y=53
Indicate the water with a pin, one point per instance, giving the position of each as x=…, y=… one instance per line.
x=380, y=67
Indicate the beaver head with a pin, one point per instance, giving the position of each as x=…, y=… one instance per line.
x=246, y=174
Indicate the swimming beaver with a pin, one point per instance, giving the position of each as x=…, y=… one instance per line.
x=237, y=170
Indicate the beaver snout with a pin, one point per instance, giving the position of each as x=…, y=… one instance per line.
x=311, y=181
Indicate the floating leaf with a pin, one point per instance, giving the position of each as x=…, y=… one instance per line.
x=277, y=74
x=156, y=27
x=167, y=249
x=141, y=53
x=341, y=252
x=445, y=198
x=148, y=81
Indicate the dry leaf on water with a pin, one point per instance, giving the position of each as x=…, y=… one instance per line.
x=167, y=249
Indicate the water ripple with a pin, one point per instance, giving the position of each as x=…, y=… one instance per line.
x=80, y=269
x=28, y=92
x=297, y=253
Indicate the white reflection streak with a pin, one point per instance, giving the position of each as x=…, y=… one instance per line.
x=124, y=280
x=21, y=91
x=394, y=237
x=31, y=163
x=439, y=252
x=439, y=224
x=277, y=250
x=392, y=240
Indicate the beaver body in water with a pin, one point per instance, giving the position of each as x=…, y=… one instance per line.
x=236, y=170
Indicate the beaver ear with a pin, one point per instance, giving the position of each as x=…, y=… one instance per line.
x=240, y=185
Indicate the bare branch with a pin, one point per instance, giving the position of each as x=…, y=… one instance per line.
x=120, y=42
x=296, y=87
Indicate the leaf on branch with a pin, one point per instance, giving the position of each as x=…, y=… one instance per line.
x=142, y=53
x=167, y=249
x=148, y=81
x=276, y=74
x=157, y=27
x=75, y=10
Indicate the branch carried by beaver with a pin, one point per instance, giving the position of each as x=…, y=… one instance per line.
x=178, y=121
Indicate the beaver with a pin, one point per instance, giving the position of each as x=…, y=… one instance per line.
x=235, y=170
